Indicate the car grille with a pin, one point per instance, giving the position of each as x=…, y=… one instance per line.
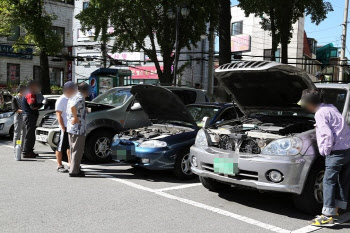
x=41, y=132
x=49, y=121
x=242, y=175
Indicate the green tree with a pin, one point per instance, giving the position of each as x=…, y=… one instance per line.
x=144, y=24
x=279, y=17
x=31, y=17
x=96, y=16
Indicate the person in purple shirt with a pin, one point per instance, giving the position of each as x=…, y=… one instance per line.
x=333, y=140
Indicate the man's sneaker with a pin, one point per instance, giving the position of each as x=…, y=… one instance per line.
x=34, y=154
x=322, y=220
x=62, y=169
x=80, y=174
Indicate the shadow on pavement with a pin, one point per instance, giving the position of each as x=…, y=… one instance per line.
x=273, y=202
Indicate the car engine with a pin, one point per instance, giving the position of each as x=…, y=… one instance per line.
x=155, y=131
x=253, y=135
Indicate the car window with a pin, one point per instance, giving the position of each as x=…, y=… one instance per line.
x=114, y=97
x=229, y=114
x=199, y=112
x=336, y=97
x=187, y=96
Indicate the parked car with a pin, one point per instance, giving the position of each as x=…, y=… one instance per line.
x=165, y=144
x=273, y=147
x=111, y=113
x=7, y=118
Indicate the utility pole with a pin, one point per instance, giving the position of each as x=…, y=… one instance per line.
x=211, y=60
x=343, y=42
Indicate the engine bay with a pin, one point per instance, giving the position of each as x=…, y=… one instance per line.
x=155, y=131
x=252, y=135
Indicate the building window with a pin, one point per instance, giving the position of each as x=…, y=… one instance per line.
x=59, y=31
x=71, y=2
x=268, y=55
x=85, y=5
x=237, y=28
x=56, y=75
x=15, y=34
x=13, y=74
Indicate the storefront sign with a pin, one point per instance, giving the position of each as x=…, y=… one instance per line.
x=144, y=72
x=127, y=56
x=70, y=64
x=240, y=43
x=8, y=51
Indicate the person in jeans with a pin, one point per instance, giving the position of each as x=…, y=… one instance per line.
x=18, y=126
x=76, y=128
x=30, y=110
x=69, y=90
x=333, y=139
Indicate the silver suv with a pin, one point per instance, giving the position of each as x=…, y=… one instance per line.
x=110, y=114
x=273, y=147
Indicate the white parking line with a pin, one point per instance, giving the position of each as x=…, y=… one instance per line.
x=198, y=205
x=178, y=187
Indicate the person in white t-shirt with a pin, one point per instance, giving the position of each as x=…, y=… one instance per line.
x=69, y=90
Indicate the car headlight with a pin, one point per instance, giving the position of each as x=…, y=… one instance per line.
x=6, y=115
x=153, y=144
x=284, y=146
x=201, y=139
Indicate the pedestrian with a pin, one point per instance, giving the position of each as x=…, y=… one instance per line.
x=18, y=125
x=30, y=110
x=69, y=90
x=76, y=128
x=333, y=139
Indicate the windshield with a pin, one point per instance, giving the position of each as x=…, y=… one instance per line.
x=199, y=112
x=115, y=97
x=333, y=96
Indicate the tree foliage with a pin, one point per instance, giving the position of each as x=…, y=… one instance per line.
x=145, y=25
x=31, y=17
x=284, y=14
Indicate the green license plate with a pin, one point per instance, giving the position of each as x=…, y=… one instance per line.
x=226, y=166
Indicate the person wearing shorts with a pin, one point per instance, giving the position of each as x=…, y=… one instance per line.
x=69, y=90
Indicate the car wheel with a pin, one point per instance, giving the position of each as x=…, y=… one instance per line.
x=98, y=146
x=182, y=169
x=212, y=184
x=311, y=199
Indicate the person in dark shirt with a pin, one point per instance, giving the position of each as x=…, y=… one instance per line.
x=30, y=110
x=18, y=119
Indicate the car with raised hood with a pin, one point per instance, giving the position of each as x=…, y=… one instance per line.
x=273, y=146
x=165, y=144
x=110, y=113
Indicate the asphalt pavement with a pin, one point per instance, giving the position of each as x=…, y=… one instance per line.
x=118, y=198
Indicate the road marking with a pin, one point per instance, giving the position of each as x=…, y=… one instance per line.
x=307, y=229
x=179, y=187
x=197, y=204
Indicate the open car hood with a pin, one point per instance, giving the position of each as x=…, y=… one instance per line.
x=262, y=85
x=161, y=104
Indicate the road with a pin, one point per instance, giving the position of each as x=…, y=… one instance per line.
x=117, y=198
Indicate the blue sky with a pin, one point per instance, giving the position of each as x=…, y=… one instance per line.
x=328, y=31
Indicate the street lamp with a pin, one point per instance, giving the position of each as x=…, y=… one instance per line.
x=171, y=15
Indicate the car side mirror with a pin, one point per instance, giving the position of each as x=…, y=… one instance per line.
x=348, y=118
x=135, y=107
x=205, y=122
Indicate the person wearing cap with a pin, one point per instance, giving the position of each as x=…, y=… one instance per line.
x=333, y=140
x=76, y=128
x=69, y=90
x=16, y=104
x=30, y=111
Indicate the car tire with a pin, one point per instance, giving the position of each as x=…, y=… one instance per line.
x=212, y=185
x=310, y=200
x=97, y=146
x=182, y=168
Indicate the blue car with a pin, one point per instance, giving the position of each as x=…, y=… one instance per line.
x=165, y=144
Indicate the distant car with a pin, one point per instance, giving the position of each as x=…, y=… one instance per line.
x=111, y=113
x=7, y=118
x=165, y=144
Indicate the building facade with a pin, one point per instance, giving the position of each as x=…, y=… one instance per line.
x=24, y=65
